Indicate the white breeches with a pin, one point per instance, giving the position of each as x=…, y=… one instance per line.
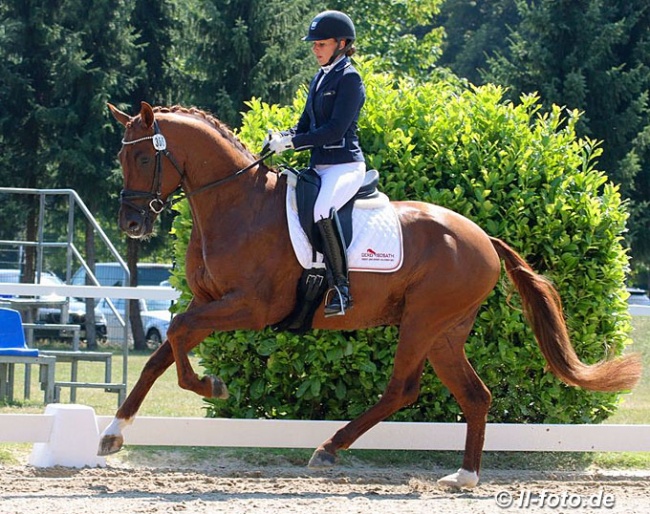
x=339, y=183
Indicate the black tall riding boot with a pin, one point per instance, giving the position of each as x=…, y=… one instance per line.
x=338, y=298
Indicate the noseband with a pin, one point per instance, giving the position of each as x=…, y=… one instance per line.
x=156, y=203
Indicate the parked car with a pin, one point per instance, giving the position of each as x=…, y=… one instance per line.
x=76, y=307
x=112, y=274
x=637, y=296
x=155, y=317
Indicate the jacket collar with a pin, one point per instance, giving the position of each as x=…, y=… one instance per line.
x=324, y=76
x=336, y=64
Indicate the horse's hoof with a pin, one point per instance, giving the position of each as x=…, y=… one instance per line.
x=219, y=389
x=462, y=479
x=110, y=444
x=321, y=459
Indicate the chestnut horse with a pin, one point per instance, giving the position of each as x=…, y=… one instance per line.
x=242, y=273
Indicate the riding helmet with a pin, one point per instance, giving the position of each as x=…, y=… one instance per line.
x=331, y=25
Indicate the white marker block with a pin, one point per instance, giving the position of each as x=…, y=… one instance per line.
x=73, y=441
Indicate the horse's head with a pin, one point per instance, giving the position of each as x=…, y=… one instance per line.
x=148, y=178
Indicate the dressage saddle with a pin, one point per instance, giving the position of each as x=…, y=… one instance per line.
x=313, y=282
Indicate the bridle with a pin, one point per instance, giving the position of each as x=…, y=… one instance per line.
x=154, y=196
x=156, y=203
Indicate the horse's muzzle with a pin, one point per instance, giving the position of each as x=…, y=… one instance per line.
x=135, y=224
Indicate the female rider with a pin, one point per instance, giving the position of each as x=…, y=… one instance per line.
x=328, y=127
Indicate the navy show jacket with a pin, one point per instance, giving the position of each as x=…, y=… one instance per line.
x=328, y=124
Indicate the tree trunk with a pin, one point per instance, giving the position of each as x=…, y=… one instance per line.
x=132, y=251
x=29, y=268
x=91, y=333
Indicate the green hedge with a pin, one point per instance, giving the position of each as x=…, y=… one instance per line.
x=522, y=175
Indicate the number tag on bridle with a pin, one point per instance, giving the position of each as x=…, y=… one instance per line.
x=159, y=142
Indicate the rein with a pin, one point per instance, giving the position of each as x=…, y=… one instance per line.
x=221, y=180
x=156, y=203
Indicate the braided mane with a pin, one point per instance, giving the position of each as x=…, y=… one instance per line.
x=219, y=126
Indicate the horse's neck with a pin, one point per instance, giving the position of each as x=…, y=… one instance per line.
x=221, y=209
x=255, y=197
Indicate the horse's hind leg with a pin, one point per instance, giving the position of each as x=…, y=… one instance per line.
x=403, y=389
x=449, y=362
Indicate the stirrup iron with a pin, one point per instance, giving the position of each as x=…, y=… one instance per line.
x=334, y=307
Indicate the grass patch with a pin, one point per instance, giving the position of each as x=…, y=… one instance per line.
x=9, y=453
x=164, y=399
x=188, y=457
x=635, y=406
x=198, y=456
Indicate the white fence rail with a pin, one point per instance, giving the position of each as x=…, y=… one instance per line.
x=640, y=310
x=144, y=292
x=260, y=433
x=65, y=290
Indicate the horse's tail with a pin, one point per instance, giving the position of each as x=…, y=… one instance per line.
x=543, y=309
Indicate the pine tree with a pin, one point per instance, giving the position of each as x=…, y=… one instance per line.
x=59, y=64
x=155, y=28
x=591, y=55
x=24, y=69
x=401, y=35
x=474, y=31
x=234, y=51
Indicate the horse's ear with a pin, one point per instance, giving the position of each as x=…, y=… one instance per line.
x=146, y=114
x=123, y=118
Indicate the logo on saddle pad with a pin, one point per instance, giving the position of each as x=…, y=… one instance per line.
x=372, y=255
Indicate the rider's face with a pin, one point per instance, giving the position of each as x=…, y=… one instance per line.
x=324, y=49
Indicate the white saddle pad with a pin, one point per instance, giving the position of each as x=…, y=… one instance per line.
x=377, y=243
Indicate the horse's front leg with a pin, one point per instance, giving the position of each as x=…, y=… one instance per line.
x=186, y=331
x=111, y=440
x=181, y=338
x=193, y=326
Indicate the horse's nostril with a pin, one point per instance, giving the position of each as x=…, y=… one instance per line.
x=132, y=228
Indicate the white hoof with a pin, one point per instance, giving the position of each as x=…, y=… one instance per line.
x=111, y=439
x=461, y=479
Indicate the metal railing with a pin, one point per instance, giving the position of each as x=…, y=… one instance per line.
x=73, y=253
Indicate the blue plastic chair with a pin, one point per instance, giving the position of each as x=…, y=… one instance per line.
x=12, y=336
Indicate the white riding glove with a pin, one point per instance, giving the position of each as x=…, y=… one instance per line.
x=278, y=143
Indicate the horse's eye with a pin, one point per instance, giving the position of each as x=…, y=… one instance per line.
x=144, y=160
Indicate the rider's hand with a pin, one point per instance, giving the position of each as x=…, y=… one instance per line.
x=278, y=143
